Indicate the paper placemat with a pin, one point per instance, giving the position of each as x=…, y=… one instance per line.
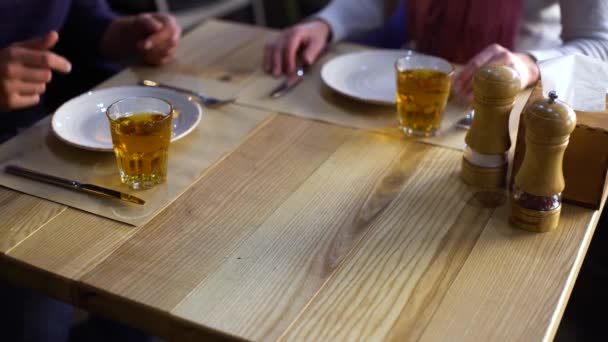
x=312, y=99
x=37, y=148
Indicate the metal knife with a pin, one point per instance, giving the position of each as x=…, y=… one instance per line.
x=290, y=82
x=71, y=184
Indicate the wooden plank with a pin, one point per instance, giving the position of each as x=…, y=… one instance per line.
x=163, y=262
x=414, y=249
x=72, y=243
x=228, y=52
x=268, y=279
x=22, y=215
x=514, y=284
x=76, y=241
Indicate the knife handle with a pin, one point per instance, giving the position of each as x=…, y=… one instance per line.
x=20, y=171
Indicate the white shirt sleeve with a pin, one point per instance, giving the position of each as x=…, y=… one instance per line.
x=349, y=17
x=584, y=30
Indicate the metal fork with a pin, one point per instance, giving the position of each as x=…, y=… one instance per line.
x=207, y=101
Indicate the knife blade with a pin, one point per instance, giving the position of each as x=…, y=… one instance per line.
x=289, y=83
x=72, y=184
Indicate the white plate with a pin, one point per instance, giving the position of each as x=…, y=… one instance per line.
x=367, y=76
x=82, y=121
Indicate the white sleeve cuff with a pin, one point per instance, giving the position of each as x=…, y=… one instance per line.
x=542, y=55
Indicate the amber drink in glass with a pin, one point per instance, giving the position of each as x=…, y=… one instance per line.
x=141, y=133
x=423, y=88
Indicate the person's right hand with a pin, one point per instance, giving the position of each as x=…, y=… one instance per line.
x=280, y=55
x=25, y=69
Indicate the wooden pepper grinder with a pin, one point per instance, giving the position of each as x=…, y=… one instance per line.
x=484, y=163
x=537, y=192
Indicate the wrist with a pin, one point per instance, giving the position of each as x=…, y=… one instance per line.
x=324, y=28
x=532, y=68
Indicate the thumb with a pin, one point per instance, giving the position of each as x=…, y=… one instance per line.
x=45, y=42
x=312, y=51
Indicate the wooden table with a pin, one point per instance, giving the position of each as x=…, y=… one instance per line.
x=305, y=231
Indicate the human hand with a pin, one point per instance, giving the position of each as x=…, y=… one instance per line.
x=521, y=62
x=280, y=55
x=25, y=69
x=152, y=36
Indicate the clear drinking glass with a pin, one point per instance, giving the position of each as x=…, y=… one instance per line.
x=141, y=133
x=423, y=88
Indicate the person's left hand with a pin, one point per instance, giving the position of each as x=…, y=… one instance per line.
x=521, y=62
x=151, y=36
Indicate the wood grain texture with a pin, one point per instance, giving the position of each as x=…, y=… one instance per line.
x=268, y=279
x=513, y=285
x=219, y=131
x=22, y=215
x=305, y=231
x=228, y=52
x=414, y=248
x=206, y=224
x=83, y=240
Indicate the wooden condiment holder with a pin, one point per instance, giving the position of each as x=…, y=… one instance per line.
x=549, y=124
x=585, y=160
x=495, y=88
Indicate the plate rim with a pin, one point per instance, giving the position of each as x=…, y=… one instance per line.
x=327, y=65
x=54, y=118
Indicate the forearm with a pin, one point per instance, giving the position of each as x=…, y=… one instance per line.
x=347, y=17
x=584, y=30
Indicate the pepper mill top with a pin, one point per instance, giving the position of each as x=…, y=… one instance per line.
x=495, y=87
x=496, y=83
x=549, y=121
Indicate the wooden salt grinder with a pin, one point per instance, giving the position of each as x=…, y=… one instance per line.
x=494, y=87
x=549, y=123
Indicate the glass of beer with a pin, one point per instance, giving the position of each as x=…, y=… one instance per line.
x=423, y=88
x=141, y=133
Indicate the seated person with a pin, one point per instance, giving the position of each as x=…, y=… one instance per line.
x=87, y=33
x=472, y=32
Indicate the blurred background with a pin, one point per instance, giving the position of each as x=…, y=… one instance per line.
x=189, y=13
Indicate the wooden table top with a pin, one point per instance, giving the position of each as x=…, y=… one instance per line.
x=305, y=231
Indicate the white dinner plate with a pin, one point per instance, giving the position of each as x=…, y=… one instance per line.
x=82, y=121
x=367, y=76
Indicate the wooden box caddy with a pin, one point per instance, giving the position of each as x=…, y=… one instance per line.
x=586, y=158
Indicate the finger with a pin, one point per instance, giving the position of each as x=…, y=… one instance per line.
x=36, y=75
x=168, y=32
x=169, y=20
x=500, y=57
x=313, y=50
x=16, y=71
x=463, y=82
x=482, y=58
x=277, y=63
x=27, y=88
x=166, y=60
x=148, y=23
x=164, y=46
x=43, y=60
x=291, y=48
x=41, y=43
x=157, y=39
x=22, y=101
x=159, y=57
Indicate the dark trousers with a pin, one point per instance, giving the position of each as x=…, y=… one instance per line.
x=29, y=316
x=585, y=316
